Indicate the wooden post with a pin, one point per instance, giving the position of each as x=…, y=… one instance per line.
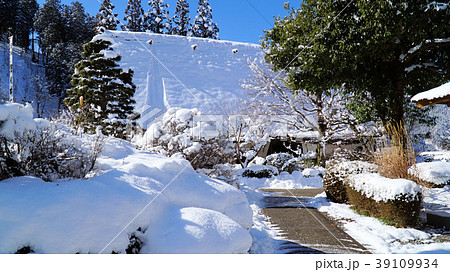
x=11, y=78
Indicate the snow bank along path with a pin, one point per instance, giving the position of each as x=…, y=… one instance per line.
x=187, y=72
x=179, y=210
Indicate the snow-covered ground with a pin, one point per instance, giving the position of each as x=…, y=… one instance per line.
x=381, y=238
x=132, y=194
x=267, y=237
x=375, y=235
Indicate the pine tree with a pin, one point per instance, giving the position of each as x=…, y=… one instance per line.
x=107, y=90
x=181, y=21
x=106, y=17
x=134, y=16
x=79, y=26
x=26, y=9
x=62, y=32
x=49, y=24
x=156, y=19
x=7, y=14
x=203, y=25
x=17, y=16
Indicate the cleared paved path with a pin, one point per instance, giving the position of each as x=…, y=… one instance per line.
x=306, y=230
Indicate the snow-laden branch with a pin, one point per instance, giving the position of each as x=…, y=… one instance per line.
x=269, y=95
x=438, y=6
x=415, y=50
x=420, y=66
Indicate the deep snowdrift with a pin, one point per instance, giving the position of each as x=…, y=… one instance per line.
x=187, y=72
x=162, y=201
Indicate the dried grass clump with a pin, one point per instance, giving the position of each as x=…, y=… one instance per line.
x=395, y=154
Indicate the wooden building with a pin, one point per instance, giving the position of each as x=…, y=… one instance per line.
x=439, y=95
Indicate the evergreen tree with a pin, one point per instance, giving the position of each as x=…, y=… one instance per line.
x=106, y=17
x=156, y=19
x=49, y=24
x=62, y=32
x=204, y=26
x=79, y=26
x=26, y=10
x=134, y=16
x=17, y=16
x=379, y=51
x=107, y=90
x=7, y=14
x=181, y=21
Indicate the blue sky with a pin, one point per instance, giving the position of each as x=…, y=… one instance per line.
x=238, y=20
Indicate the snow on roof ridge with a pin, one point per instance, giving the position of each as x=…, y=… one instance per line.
x=438, y=92
x=118, y=32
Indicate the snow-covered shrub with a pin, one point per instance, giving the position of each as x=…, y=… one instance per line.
x=360, y=154
x=224, y=172
x=257, y=161
x=396, y=201
x=336, y=173
x=41, y=148
x=51, y=153
x=181, y=132
x=441, y=136
x=260, y=171
x=284, y=162
x=311, y=172
x=435, y=174
x=278, y=159
x=249, y=133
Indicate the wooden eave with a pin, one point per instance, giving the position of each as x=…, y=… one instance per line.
x=427, y=102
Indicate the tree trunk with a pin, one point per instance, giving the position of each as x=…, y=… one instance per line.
x=322, y=127
x=397, y=107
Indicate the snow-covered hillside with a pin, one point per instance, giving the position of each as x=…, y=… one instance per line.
x=25, y=72
x=175, y=71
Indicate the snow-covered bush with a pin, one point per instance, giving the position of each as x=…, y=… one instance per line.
x=249, y=133
x=432, y=174
x=440, y=136
x=41, y=148
x=260, y=171
x=396, y=201
x=336, y=173
x=284, y=162
x=182, y=131
x=224, y=172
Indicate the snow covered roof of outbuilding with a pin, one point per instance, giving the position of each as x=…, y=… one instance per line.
x=438, y=95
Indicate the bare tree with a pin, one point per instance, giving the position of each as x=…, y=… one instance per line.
x=42, y=95
x=324, y=113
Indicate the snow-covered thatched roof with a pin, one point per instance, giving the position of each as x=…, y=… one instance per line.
x=439, y=95
x=187, y=72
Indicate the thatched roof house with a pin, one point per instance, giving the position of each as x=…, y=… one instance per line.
x=439, y=95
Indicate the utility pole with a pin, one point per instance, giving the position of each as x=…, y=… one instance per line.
x=11, y=79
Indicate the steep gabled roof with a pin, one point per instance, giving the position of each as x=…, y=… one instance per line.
x=187, y=72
